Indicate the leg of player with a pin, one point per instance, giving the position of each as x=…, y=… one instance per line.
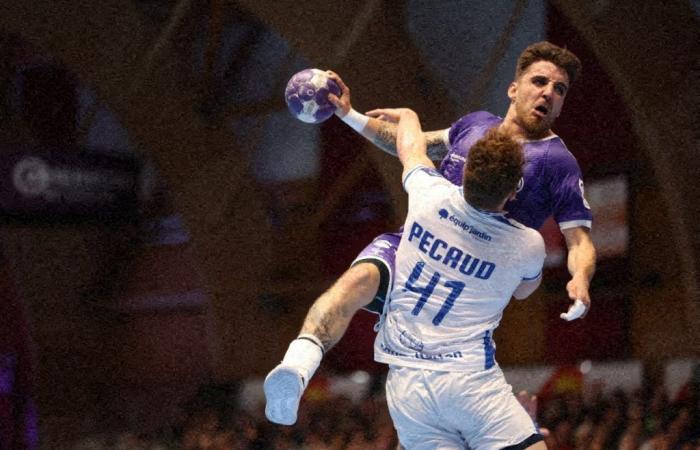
x=325, y=324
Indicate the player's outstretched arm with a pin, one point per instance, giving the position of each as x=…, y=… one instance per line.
x=581, y=264
x=410, y=140
x=379, y=128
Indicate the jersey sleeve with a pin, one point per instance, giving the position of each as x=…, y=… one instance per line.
x=569, y=206
x=424, y=185
x=534, y=256
x=423, y=179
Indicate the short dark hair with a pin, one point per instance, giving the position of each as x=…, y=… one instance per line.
x=546, y=51
x=493, y=170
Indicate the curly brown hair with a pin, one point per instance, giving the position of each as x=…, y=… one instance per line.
x=493, y=170
x=546, y=51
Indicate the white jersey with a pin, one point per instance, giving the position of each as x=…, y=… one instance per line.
x=456, y=270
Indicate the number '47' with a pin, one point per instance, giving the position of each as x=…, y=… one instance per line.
x=427, y=290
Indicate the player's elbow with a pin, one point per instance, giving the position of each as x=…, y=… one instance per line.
x=526, y=288
x=520, y=295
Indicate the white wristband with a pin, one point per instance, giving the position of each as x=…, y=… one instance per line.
x=355, y=120
x=575, y=311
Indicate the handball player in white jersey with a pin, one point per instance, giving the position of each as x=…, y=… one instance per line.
x=459, y=262
x=552, y=186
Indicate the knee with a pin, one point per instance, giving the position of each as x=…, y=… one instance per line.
x=355, y=288
x=363, y=276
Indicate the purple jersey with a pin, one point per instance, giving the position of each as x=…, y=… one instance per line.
x=551, y=185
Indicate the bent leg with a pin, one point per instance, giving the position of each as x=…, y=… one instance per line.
x=382, y=253
x=323, y=327
x=326, y=322
x=331, y=313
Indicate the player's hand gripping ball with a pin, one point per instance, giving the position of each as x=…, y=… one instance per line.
x=307, y=95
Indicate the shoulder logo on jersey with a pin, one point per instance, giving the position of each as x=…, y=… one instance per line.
x=583, y=196
x=382, y=244
x=471, y=229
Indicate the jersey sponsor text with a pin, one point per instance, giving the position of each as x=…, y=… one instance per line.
x=451, y=256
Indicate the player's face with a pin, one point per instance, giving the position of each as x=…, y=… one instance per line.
x=538, y=96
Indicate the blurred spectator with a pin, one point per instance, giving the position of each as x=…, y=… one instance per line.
x=328, y=421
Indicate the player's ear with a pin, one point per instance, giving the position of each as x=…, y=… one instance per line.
x=512, y=90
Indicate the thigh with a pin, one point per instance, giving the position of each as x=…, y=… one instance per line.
x=382, y=253
x=413, y=411
x=496, y=419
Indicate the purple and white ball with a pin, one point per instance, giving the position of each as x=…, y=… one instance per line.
x=307, y=95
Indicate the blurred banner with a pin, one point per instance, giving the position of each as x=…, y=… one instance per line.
x=609, y=199
x=67, y=184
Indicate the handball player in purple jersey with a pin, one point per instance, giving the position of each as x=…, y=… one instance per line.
x=552, y=186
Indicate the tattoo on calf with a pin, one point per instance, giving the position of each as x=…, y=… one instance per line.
x=321, y=323
x=323, y=332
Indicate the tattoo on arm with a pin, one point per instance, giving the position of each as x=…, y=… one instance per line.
x=385, y=138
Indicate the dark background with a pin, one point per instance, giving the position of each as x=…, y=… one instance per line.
x=208, y=265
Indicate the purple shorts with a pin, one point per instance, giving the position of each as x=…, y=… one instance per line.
x=382, y=253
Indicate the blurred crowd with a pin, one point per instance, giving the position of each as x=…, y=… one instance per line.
x=324, y=422
x=645, y=419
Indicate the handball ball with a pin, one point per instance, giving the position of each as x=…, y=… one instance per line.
x=307, y=95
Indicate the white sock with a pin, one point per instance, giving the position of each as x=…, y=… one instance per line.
x=304, y=354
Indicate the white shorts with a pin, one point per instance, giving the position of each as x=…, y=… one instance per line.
x=455, y=410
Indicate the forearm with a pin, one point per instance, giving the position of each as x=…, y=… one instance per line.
x=581, y=260
x=410, y=142
x=383, y=133
x=379, y=132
